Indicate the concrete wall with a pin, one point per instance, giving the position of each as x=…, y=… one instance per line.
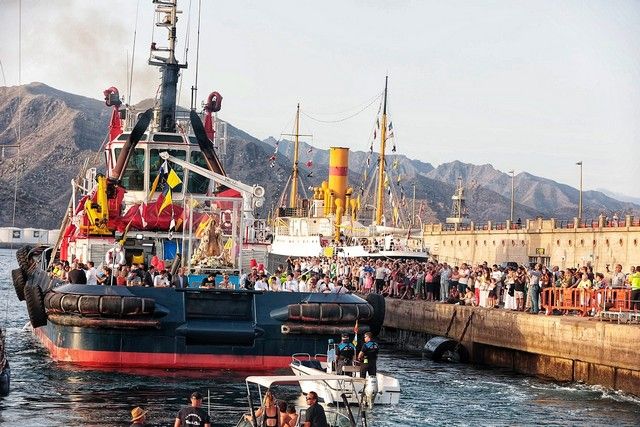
x=564, y=348
x=562, y=244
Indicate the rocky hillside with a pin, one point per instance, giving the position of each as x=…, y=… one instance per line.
x=60, y=131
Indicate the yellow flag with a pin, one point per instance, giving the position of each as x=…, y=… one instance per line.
x=165, y=202
x=173, y=179
x=153, y=187
x=202, y=226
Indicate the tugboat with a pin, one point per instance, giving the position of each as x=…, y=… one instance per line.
x=165, y=199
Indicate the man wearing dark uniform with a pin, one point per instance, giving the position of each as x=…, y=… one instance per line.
x=345, y=352
x=368, y=356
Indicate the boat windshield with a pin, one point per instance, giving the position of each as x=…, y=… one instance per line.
x=198, y=184
x=133, y=176
x=155, y=162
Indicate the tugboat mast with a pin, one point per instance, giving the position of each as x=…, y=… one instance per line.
x=383, y=137
x=167, y=15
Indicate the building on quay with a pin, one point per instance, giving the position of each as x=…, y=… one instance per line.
x=16, y=237
x=548, y=241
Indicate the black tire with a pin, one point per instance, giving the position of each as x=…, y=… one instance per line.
x=26, y=264
x=377, y=302
x=18, y=282
x=35, y=305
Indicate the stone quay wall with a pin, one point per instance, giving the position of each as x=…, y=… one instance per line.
x=563, y=348
x=548, y=241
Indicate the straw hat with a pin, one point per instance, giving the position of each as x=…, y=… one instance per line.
x=137, y=413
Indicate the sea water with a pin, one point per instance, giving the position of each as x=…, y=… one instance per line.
x=433, y=394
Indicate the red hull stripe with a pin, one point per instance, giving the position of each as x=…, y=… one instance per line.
x=338, y=170
x=95, y=358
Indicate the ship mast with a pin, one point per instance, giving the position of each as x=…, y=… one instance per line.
x=167, y=14
x=293, y=195
x=383, y=137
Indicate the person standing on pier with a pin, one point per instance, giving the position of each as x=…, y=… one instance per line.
x=368, y=355
x=634, y=280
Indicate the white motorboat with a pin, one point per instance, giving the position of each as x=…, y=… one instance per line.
x=340, y=415
x=379, y=390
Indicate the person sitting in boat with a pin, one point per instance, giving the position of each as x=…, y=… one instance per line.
x=291, y=417
x=368, y=355
x=268, y=414
x=315, y=416
x=345, y=352
x=209, y=282
x=261, y=284
x=138, y=417
x=225, y=284
x=161, y=280
x=194, y=415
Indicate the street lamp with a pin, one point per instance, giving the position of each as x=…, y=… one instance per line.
x=512, y=172
x=580, y=197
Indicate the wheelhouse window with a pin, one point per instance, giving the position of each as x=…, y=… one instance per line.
x=198, y=184
x=16, y=234
x=133, y=176
x=155, y=162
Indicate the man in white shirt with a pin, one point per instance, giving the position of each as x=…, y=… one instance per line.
x=464, y=276
x=91, y=273
x=261, y=284
x=302, y=284
x=290, y=285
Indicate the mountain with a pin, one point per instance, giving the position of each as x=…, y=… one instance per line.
x=547, y=197
x=59, y=131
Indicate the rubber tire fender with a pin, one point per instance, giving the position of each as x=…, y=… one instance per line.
x=26, y=264
x=377, y=302
x=35, y=305
x=18, y=282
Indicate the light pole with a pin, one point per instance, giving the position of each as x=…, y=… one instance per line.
x=580, y=196
x=512, y=172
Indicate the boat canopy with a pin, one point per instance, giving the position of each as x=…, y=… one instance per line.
x=268, y=380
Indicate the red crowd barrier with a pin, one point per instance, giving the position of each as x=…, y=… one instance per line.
x=585, y=300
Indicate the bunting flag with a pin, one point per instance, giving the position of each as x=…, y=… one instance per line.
x=162, y=173
x=391, y=135
x=277, y=147
x=368, y=161
x=172, y=226
x=310, y=174
x=374, y=133
x=141, y=211
x=395, y=163
x=172, y=181
x=377, y=123
x=396, y=216
x=202, y=226
x=310, y=150
x=309, y=164
x=390, y=126
x=393, y=150
x=371, y=148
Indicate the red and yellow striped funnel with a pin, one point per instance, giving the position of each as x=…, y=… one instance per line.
x=338, y=174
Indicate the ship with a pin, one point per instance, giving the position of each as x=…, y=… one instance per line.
x=340, y=220
x=165, y=199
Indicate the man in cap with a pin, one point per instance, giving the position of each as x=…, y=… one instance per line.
x=138, y=417
x=345, y=351
x=194, y=415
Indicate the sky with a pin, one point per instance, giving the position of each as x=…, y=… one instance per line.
x=532, y=86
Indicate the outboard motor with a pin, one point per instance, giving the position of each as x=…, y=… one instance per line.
x=371, y=389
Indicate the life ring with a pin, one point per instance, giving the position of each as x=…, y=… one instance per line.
x=119, y=260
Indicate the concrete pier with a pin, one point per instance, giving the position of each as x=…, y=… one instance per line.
x=564, y=348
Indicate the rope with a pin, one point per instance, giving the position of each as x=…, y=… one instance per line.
x=186, y=51
x=133, y=54
x=343, y=118
x=15, y=187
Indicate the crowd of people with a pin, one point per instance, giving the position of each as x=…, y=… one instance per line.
x=513, y=287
